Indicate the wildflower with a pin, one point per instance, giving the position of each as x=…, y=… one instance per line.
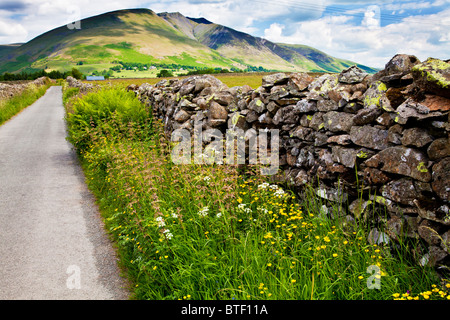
x=293, y=281
x=396, y=295
x=219, y=215
x=268, y=235
x=361, y=277
x=262, y=210
x=168, y=234
x=207, y=179
x=204, y=212
x=263, y=185
x=243, y=208
x=161, y=222
x=279, y=193
x=335, y=255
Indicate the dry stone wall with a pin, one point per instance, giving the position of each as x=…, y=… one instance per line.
x=9, y=90
x=386, y=134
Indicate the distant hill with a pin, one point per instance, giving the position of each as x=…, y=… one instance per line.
x=140, y=36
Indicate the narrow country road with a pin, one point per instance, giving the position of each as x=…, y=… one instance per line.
x=52, y=241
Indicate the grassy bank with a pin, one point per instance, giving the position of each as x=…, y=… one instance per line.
x=220, y=232
x=13, y=105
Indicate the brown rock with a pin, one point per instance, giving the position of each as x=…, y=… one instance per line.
x=375, y=176
x=343, y=140
x=274, y=79
x=345, y=156
x=436, y=103
x=336, y=168
x=416, y=137
x=395, y=134
x=394, y=228
x=395, y=96
x=299, y=81
x=182, y=116
x=304, y=106
x=429, y=231
x=217, y=111
x=369, y=137
x=433, y=75
x=397, y=67
x=431, y=210
x=401, y=191
x=251, y=116
x=445, y=243
x=441, y=179
x=411, y=109
x=224, y=98
x=403, y=161
x=367, y=115
x=352, y=75
x=439, y=148
x=317, y=121
x=436, y=254
x=338, y=121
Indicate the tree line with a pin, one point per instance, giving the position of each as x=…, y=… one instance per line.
x=55, y=74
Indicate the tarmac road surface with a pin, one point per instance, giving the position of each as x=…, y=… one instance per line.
x=52, y=241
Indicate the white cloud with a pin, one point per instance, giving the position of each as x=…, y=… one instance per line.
x=372, y=17
x=369, y=44
x=12, y=32
x=274, y=32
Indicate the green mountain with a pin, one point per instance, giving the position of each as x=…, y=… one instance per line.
x=140, y=36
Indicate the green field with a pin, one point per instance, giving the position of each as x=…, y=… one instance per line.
x=254, y=80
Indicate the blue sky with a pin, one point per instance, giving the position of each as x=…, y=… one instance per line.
x=367, y=32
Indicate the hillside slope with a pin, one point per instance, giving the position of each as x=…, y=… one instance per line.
x=142, y=36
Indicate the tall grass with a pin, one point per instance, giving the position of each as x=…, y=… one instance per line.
x=218, y=232
x=10, y=107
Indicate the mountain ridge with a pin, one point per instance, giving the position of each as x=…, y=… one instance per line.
x=143, y=36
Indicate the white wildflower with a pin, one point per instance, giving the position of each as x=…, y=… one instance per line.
x=204, y=212
x=168, y=234
x=219, y=215
x=207, y=179
x=161, y=222
x=263, y=210
x=279, y=193
x=243, y=208
x=263, y=185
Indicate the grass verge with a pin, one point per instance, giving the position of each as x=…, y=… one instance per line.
x=217, y=232
x=12, y=106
